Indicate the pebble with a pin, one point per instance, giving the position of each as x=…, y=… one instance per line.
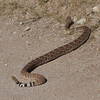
x=81, y=21
x=6, y=64
x=14, y=33
x=96, y=9
x=27, y=29
x=21, y=23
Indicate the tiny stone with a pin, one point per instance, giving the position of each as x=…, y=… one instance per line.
x=96, y=8
x=14, y=32
x=21, y=23
x=27, y=29
x=81, y=21
x=6, y=64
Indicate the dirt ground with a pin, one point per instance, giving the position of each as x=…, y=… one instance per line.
x=30, y=28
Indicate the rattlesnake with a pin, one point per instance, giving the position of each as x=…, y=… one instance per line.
x=38, y=79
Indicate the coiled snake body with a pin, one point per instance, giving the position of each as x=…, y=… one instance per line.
x=38, y=79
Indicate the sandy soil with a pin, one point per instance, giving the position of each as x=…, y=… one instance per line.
x=75, y=76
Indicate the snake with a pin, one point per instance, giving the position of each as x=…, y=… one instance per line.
x=38, y=79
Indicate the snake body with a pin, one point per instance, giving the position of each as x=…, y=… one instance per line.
x=38, y=79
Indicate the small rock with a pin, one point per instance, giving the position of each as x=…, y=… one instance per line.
x=81, y=21
x=27, y=29
x=21, y=23
x=14, y=33
x=96, y=8
x=6, y=64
